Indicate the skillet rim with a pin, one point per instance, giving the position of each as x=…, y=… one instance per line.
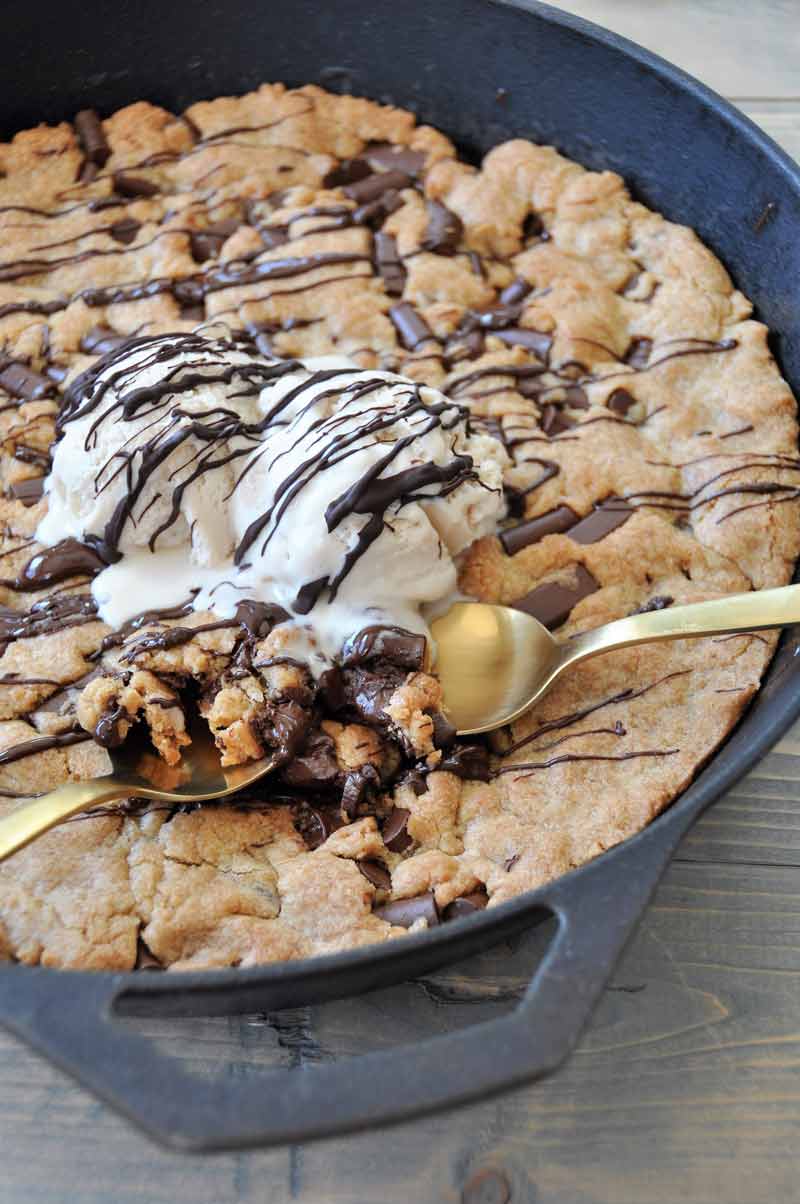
x=727, y=764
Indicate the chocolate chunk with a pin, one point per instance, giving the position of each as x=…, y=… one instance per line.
x=384, y=157
x=659, y=602
x=533, y=227
x=375, y=212
x=575, y=397
x=315, y=824
x=361, y=694
x=515, y=501
x=21, y=381
x=443, y=231
x=403, y=648
x=620, y=401
x=283, y=728
x=145, y=959
x=88, y=173
x=91, y=137
x=395, y=836
x=410, y=325
x=356, y=786
x=552, y=602
x=376, y=873
x=476, y=263
x=405, y=912
x=133, y=186
x=553, y=420
x=125, y=230
x=465, y=905
x=56, y=372
x=604, y=519
x=308, y=595
x=389, y=264
x=514, y=539
x=31, y=455
x=102, y=339
x=444, y=733
x=531, y=340
x=638, y=352
x=315, y=766
x=372, y=187
x=498, y=317
x=461, y=346
x=28, y=492
x=468, y=761
x=207, y=243
x=416, y=779
x=349, y=171
x=516, y=291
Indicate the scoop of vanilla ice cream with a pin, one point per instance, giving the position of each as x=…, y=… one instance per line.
x=202, y=469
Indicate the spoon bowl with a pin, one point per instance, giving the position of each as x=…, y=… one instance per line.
x=495, y=662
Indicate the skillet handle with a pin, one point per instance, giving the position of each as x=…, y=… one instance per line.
x=596, y=914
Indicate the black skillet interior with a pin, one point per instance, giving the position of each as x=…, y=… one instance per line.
x=483, y=72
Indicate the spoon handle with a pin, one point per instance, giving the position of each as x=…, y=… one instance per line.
x=735, y=613
x=30, y=820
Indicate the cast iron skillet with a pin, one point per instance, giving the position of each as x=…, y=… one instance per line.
x=685, y=152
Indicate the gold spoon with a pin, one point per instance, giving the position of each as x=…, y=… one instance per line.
x=135, y=771
x=494, y=662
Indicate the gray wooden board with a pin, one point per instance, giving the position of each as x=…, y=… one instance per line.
x=686, y=1086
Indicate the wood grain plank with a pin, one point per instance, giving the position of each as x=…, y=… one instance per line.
x=779, y=118
x=736, y=48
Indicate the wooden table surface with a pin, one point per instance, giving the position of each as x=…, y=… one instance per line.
x=686, y=1086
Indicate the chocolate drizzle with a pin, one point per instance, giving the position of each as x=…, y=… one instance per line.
x=40, y=744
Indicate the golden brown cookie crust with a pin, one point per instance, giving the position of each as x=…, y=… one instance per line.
x=620, y=363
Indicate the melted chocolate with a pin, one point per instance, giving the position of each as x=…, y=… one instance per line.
x=468, y=761
x=66, y=559
x=402, y=648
